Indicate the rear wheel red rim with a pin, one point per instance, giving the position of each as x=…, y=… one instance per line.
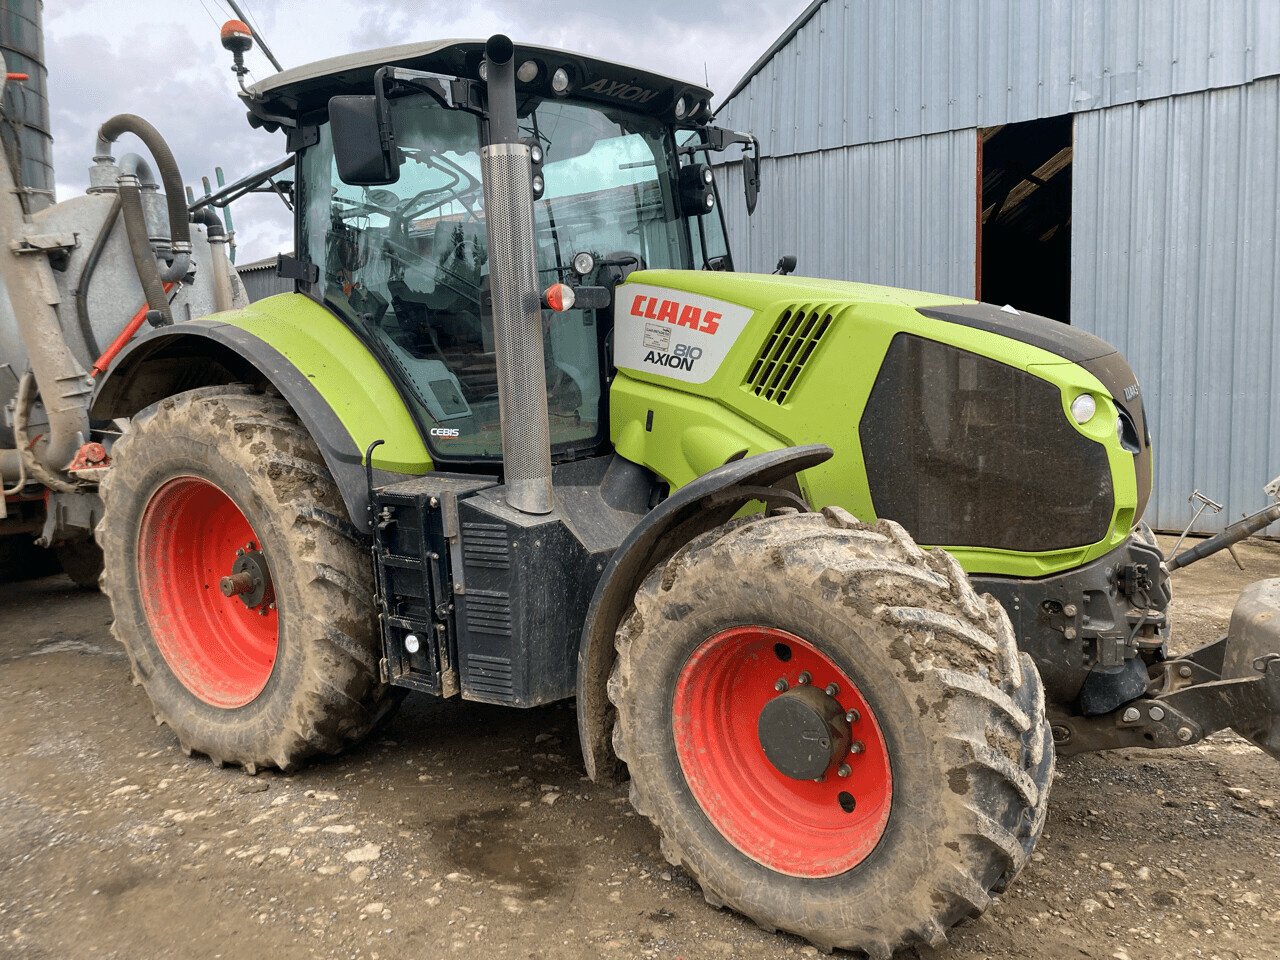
x=222, y=651
x=802, y=828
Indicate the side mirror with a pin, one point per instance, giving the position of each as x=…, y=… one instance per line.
x=363, y=148
x=751, y=181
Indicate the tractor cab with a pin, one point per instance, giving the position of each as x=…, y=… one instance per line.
x=391, y=217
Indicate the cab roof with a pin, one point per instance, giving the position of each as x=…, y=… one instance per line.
x=303, y=89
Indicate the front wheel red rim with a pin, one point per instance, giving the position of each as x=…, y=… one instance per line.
x=220, y=649
x=813, y=828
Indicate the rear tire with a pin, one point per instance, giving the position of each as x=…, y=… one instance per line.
x=262, y=686
x=958, y=712
x=81, y=560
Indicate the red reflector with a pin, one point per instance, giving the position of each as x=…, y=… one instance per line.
x=559, y=297
x=17, y=76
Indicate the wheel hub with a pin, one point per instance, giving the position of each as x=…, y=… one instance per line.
x=250, y=579
x=803, y=732
x=221, y=650
x=782, y=751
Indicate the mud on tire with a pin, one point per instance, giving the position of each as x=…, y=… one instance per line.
x=323, y=691
x=961, y=712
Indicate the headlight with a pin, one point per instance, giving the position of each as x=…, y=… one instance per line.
x=560, y=80
x=583, y=263
x=1083, y=408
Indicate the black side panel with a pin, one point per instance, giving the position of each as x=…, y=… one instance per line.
x=966, y=451
x=493, y=598
x=1070, y=343
x=414, y=538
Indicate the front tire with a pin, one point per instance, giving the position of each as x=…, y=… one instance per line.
x=219, y=481
x=926, y=801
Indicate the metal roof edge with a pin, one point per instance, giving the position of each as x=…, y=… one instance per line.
x=787, y=35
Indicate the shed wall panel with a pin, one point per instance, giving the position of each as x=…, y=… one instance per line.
x=901, y=213
x=863, y=71
x=1176, y=260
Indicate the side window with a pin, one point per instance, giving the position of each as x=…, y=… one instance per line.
x=407, y=263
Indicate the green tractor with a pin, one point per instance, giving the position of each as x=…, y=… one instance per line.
x=521, y=434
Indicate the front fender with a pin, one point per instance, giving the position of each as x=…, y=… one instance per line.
x=324, y=372
x=695, y=508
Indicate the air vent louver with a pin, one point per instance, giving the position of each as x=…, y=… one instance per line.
x=790, y=345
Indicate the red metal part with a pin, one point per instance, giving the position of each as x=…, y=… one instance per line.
x=90, y=456
x=122, y=339
x=801, y=828
x=221, y=650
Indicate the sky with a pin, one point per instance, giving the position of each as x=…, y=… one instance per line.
x=161, y=59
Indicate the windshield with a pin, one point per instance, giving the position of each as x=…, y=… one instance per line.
x=408, y=263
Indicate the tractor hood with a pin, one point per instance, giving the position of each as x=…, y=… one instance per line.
x=961, y=420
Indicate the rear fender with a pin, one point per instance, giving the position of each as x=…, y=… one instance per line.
x=695, y=508
x=330, y=379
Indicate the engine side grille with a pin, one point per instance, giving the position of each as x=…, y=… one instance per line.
x=790, y=345
x=489, y=611
x=485, y=545
x=491, y=676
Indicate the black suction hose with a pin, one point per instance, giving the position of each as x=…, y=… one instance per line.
x=211, y=221
x=170, y=177
x=86, y=277
x=144, y=258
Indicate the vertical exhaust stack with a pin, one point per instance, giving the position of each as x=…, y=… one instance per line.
x=517, y=301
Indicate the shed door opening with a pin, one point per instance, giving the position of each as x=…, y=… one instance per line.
x=1024, y=242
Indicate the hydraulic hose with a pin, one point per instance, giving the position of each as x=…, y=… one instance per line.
x=36, y=470
x=170, y=177
x=86, y=277
x=144, y=259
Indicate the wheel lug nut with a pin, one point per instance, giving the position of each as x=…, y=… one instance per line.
x=804, y=677
x=856, y=747
x=832, y=690
x=844, y=770
x=780, y=685
x=852, y=716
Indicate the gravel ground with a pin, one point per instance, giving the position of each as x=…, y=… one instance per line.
x=466, y=830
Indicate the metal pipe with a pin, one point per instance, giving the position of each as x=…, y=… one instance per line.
x=28, y=280
x=517, y=302
x=13, y=469
x=1228, y=537
x=218, y=262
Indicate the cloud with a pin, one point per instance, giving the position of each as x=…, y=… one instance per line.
x=161, y=59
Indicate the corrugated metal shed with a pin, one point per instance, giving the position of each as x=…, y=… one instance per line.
x=260, y=279
x=864, y=71
x=869, y=114
x=900, y=213
x=1177, y=213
